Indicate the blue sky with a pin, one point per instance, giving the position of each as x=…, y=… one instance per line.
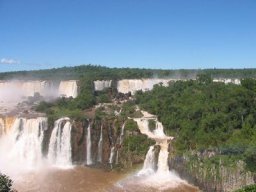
x=172, y=34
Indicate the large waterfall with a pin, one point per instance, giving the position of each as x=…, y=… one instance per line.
x=68, y=89
x=101, y=85
x=22, y=144
x=133, y=85
x=13, y=91
x=88, y=146
x=60, y=143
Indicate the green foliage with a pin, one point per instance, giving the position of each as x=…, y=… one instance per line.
x=129, y=110
x=250, y=158
x=137, y=144
x=204, y=78
x=249, y=83
x=203, y=116
x=249, y=188
x=131, y=125
x=101, y=72
x=5, y=183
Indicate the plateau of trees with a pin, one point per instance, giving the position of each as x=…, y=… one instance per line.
x=101, y=72
x=206, y=115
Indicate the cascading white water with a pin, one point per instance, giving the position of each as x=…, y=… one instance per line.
x=59, y=153
x=22, y=145
x=88, y=146
x=161, y=178
x=99, y=157
x=68, y=88
x=149, y=162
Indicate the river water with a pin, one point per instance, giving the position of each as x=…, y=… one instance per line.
x=85, y=179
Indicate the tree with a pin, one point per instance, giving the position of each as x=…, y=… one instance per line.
x=5, y=183
x=204, y=78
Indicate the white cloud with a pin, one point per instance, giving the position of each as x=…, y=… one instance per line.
x=9, y=61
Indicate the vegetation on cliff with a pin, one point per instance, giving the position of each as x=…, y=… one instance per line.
x=204, y=115
x=250, y=188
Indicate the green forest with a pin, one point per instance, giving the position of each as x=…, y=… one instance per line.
x=95, y=72
x=204, y=115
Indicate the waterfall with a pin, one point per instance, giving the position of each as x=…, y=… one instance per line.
x=133, y=85
x=29, y=135
x=68, y=89
x=122, y=134
x=101, y=85
x=60, y=143
x=149, y=162
x=121, y=138
x=111, y=157
x=88, y=146
x=159, y=178
x=2, y=127
x=24, y=89
x=162, y=166
x=22, y=145
x=99, y=157
x=161, y=139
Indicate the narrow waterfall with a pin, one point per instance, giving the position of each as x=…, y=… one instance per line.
x=111, y=157
x=121, y=138
x=162, y=165
x=2, y=127
x=60, y=143
x=149, y=162
x=99, y=157
x=22, y=145
x=122, y=134
x=88, y=146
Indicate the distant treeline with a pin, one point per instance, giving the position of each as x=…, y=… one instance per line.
x=94, y=72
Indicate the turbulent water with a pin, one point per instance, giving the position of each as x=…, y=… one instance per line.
x=60, y=143
x=22, y=145
x=152, y=177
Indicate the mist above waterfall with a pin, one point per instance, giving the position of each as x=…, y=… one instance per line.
x=13, y=92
